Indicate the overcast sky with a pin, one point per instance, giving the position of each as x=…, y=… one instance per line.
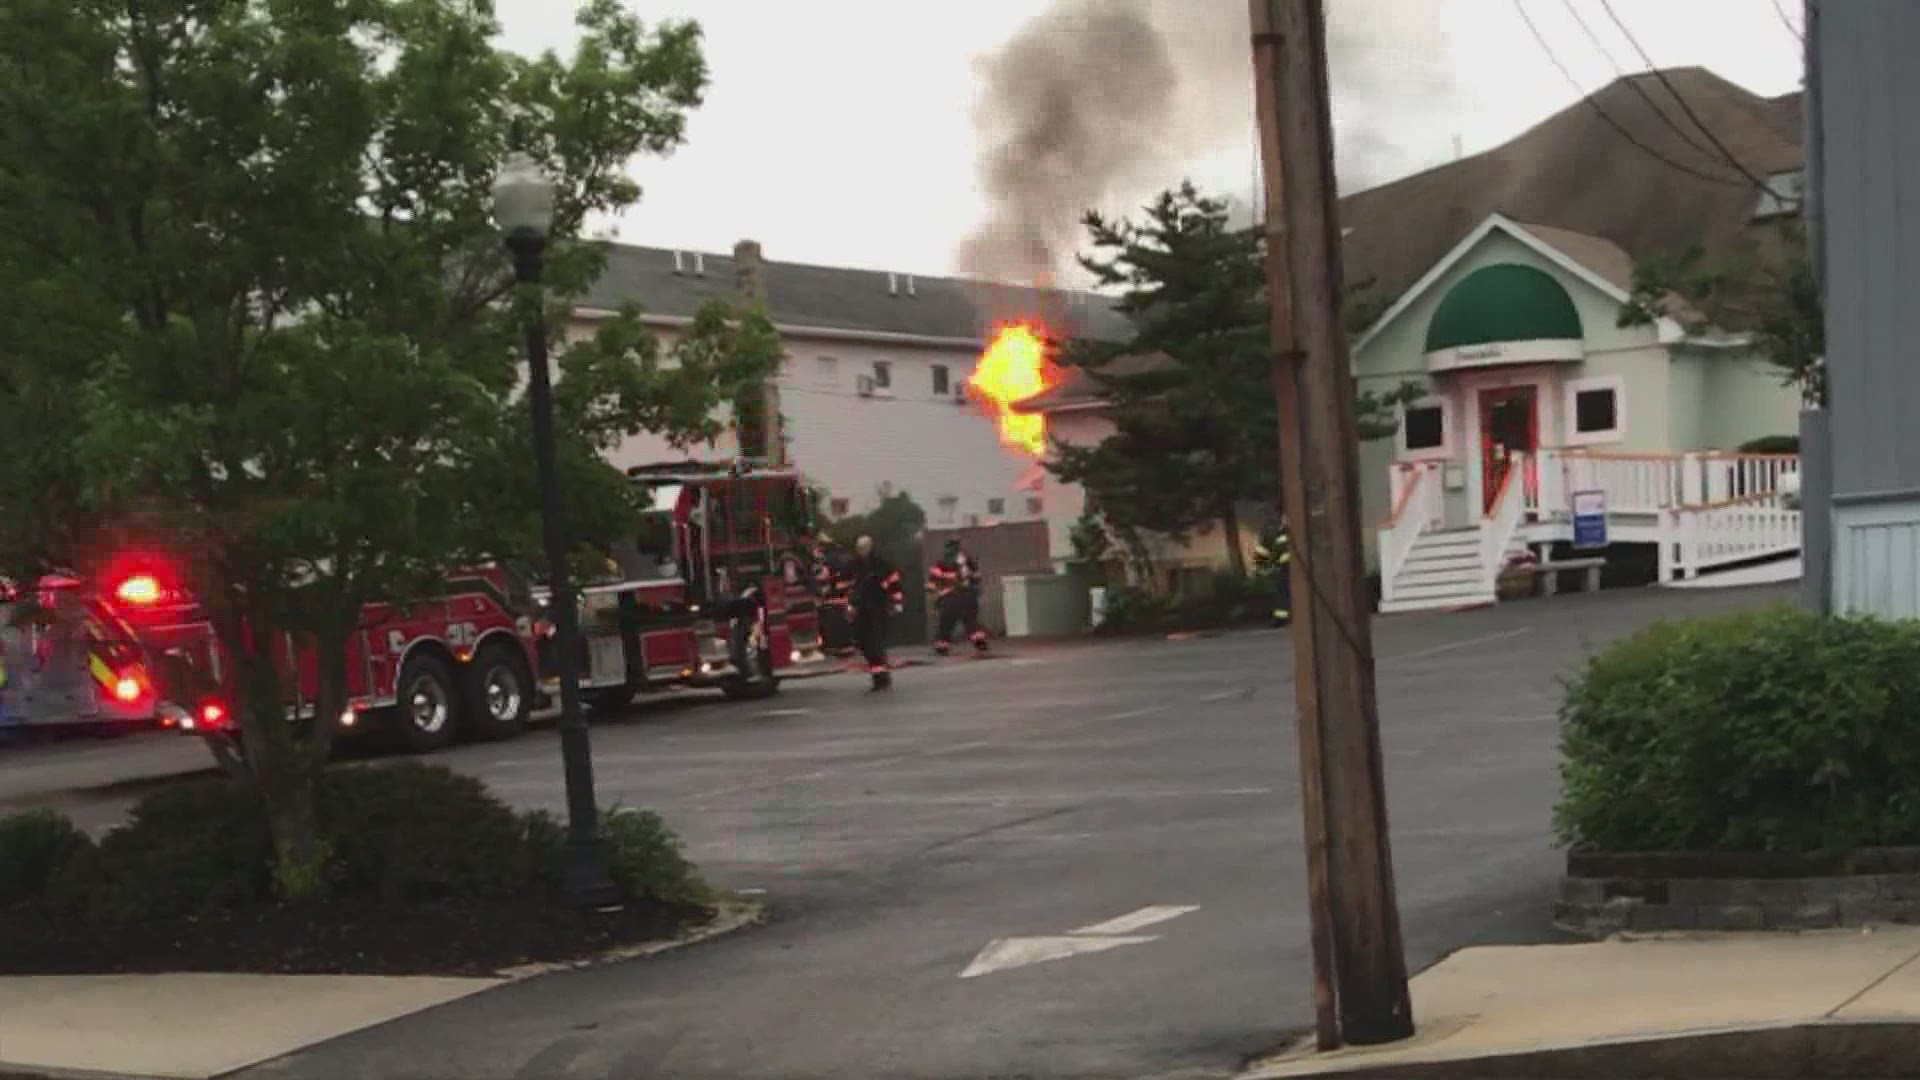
x=842, y=131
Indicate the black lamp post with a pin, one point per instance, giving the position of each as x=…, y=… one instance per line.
x=523, y=207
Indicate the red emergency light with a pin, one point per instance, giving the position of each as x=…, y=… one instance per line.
x=213, y=715
x=127, y=689
x=141, y=589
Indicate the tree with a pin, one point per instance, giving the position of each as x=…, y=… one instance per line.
x=271, y=314
x=1777, y=299
x=1196, y=436
x=895, y=524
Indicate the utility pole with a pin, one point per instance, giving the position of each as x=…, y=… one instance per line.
x=757, y=420
x=1360, y=969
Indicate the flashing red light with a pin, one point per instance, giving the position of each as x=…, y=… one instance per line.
x=213, y=715
x=127, y=689
x=139, y=589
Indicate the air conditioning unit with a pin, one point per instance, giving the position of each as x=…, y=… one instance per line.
x=864, y=385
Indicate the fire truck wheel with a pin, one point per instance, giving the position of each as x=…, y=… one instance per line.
x=423, y=718
x=497, y=695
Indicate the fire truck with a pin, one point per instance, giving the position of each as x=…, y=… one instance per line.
x=69, y=664
x=709, y=591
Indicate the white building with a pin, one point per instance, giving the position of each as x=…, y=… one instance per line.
x=872, y=383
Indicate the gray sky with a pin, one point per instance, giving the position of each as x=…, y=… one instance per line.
x=842, y=131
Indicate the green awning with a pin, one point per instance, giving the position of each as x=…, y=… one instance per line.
x=1502, y=303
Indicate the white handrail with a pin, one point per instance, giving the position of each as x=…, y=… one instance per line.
x=1696, y=538
x=1503, y=519
x=1416, y=507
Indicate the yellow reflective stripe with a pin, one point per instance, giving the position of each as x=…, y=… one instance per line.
x=101, y=672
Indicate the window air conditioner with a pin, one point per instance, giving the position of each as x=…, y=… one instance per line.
x=864, y=384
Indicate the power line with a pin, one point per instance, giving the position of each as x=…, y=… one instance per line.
x=1634, y=83
x=1602, y=113
x=1788, y=23
x=1607, y=7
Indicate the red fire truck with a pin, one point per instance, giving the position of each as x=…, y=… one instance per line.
x=708, y=592
x=69, y=664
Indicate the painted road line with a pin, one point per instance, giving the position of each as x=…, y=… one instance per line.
x=1003, y=954
x=1484, y=639
x=771, y=713
x=1225, y=695
x=1139, y=920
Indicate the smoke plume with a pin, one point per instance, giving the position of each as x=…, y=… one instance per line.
x=1095, y=104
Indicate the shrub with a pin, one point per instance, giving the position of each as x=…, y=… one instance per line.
x=1772, y=444
x=648, y=862
x=420, y=832
x=1133, y=610
x=34, y=846
x=199, y=847
x=1774, y=730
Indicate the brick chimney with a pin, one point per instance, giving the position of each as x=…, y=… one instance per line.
x=758, y=423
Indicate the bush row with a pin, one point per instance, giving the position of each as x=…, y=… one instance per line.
x=395, y=834
x=1774, y=730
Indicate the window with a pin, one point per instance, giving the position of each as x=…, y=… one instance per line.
x=949, y=506
x=882, y=374
x=827, y=369
x=1035, y=505
x=940, y=379
x=839, y=507
x=1424, y=427
x=996, y=506
x=1595, y=410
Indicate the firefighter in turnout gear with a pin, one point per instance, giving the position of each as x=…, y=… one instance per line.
x=831, y=575
x=875, y=595
x=955, y=583
x=1273, y=556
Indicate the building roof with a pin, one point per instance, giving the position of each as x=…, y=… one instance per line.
x=1598, y=197
x=1500, y=303
x=842, y=298
x=1079, y=387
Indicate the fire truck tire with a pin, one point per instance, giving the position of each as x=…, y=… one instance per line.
x=497, y=694
x=424, y=717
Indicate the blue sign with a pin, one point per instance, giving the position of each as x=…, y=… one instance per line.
x=1589, y=519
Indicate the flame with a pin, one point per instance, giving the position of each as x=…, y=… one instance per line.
x=1015, y=367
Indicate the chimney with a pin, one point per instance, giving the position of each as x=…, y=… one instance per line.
x=893, y=283
x=749, y=272
x=699, y=264
x=1458, y=149
x=910, y=290
x=679, y=262
x=757, y=421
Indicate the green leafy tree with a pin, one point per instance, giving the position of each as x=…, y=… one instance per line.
x=267, y=315
x=1195, y=437
x=1776, y=298
x=895, y=524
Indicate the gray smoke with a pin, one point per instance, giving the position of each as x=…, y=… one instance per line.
x=1095, y=104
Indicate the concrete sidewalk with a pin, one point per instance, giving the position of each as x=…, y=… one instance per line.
x=1829, y=1003
x=194, y=1026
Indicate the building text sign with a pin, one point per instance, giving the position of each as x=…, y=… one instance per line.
x=1589, y=520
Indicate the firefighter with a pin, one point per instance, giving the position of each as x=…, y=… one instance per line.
x=954, y=581
x=829, y=576
x=874, y=594
x=1272, y=556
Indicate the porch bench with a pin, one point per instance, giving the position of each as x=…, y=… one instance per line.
x=1589, y=574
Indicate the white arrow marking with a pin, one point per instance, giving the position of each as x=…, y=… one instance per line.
x=1004, y=953
x=1145, y=917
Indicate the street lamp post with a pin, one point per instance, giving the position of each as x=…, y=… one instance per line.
x=523, y=207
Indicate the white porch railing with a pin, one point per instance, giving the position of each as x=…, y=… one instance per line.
x=1634, y=483
x=1696, y=538
x=1416, y=508
x=1503, y=519
x=1738, y=476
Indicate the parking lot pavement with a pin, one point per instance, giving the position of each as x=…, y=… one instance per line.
x=1066, y=862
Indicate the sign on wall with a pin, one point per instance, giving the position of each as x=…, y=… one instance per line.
x=1589, y=520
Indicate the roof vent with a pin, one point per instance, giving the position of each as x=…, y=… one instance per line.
x=679, y=262
x=910, y=288
x=699, y=264
x=893, y=283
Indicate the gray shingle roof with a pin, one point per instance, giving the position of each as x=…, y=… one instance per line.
x=843, y=298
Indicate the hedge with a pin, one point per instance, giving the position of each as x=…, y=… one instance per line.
x=1774, y=730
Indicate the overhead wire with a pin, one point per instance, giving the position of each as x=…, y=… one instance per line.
x=1634, y=84
x=1618, y=128
x=1788, y=23
x=1607, y=7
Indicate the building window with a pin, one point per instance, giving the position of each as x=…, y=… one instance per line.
x=996, y=506
x=940, y=380
x=882, y=374
x=827, y=368
x=1596, y=410
x=839, y=507
x=949, y=507
x=1424, y=428
x=1035, y=505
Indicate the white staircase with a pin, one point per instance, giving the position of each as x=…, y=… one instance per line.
x=1443, y=569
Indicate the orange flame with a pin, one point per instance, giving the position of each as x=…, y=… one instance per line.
x=1015, y=367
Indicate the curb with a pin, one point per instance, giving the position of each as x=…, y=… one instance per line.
x=737, y=912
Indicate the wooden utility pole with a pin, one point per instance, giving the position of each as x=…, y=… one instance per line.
x=761, y=431
x=1360, y=969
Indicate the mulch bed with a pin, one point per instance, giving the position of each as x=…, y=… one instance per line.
x=470, y=938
